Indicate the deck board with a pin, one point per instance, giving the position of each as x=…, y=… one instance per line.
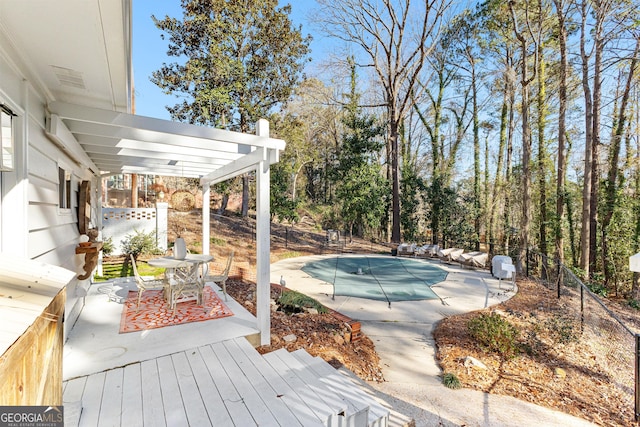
x=132, y=396
x=92, y=400
x=240, y=415
x=111, y=406
x=174, y=409
x=152, y=409
x=208, y=390
x=319, y=407
x=72, y=400
x=193, y=404
x=294, y=402
x=259, y=410
x=281, y=412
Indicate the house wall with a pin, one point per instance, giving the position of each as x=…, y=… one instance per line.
x=32, y=223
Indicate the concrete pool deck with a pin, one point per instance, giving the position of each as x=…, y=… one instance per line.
x=402, y=334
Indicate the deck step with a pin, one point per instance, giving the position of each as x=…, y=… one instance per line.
x=224, y=383
x=346, y=387
x=262, y=371
x=317, y=396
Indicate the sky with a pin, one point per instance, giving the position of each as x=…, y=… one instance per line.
x=149, y=50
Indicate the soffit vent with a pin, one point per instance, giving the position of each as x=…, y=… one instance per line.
x=69, y=77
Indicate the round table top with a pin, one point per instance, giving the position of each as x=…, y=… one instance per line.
x=171, y=262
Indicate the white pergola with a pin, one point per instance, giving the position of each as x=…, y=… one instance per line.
x=111, y=142
x=77, y=56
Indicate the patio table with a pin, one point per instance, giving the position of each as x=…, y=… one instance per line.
x=176, y=274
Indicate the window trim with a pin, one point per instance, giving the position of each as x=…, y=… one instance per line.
x=7, y=148
x=65, y=189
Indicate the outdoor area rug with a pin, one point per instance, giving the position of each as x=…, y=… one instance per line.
x=154, y=311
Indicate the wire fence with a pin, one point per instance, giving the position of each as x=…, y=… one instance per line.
x=612, y=343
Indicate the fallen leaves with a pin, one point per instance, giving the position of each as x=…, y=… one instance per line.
x=555, y=369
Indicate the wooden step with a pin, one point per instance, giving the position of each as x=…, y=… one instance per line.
x=346, y=387
x=318, y=396
x=309, y=377
x=261, y=372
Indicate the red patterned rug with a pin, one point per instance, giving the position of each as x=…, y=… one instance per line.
x=154, y=311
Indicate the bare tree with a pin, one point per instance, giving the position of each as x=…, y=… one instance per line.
x=525, y=81
x=561, y=14
x=396, y=38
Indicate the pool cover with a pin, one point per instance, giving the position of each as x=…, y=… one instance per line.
x=383, y=278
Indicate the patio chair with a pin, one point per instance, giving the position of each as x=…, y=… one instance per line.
x=221, y=279
x=449, y=254
x=475, y=259
x=427, y=251
x=185, y=284
x=406, y=249
x=146, y=284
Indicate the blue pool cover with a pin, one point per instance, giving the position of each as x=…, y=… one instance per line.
x=377, y=277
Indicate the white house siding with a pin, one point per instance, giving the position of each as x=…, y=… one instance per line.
x=32, y=224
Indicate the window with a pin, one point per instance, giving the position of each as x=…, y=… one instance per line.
x=64, y=188
x=6, y=138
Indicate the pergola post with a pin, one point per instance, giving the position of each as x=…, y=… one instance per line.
x=263, y=244
x=206, y=218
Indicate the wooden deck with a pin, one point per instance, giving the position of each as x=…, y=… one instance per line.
x=222, y=384
x=198, y=374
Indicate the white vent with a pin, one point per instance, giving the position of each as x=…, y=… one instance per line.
x=69, y=77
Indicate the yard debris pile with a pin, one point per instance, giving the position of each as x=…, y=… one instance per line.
x=319, y=334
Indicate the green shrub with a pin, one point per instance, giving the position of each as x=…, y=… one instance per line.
x=294, y=301
x=289, y=254
x=495, y=333
x=634, y=303
x=598, y=288
x=451, y=381
x=107, y=246
x=561, y=329
x=140, y=243
x=217, y=241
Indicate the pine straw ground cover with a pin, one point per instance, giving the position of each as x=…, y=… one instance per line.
x=554, y=362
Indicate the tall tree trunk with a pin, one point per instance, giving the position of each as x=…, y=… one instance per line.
x=485, y=201
x=562, y=117
x=635, y=286
x=395, y=181
x=525, y=80
x=542, y=152
x=476, y=158
x=509, y=166
x=585, y=235
x=134, y=190
x=223, y=203
x=245, y=195
x=615, y=176
x=498, y=186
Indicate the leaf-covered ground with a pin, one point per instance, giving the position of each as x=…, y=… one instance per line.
x=561, y=365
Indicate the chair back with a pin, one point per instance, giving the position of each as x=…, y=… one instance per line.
x=186, y=272
x=228, y=266
x=135, y=269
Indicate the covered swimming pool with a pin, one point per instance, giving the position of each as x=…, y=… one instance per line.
x=378, y=277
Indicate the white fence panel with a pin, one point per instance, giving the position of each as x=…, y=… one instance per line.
x=118, y=223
